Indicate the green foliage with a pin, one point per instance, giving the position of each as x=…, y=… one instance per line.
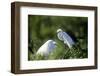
x=43, y=28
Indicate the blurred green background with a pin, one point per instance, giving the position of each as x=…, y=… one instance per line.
x=42, y=28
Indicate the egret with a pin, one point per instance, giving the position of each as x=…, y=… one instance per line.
x=46, y=48
x=63, y=36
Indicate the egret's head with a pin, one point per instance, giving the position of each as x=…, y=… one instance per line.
x=51, y=42
x=59, y=30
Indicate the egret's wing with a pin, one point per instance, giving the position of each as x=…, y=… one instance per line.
x=43, y=49
x=68, y=39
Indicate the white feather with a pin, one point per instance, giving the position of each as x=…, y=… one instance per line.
x=63, y=36
x=46, y=48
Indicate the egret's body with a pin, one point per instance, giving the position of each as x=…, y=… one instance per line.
x=63, y=36
x=46, y=48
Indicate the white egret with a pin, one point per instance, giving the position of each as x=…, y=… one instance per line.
x=46, y=48
x=63, y=36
